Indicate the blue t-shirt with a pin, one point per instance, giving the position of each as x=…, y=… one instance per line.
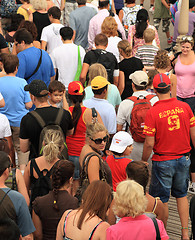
x=28, y=61
x=24, y=220
x=12, y=89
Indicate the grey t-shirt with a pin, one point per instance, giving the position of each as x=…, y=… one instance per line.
x=79, y=21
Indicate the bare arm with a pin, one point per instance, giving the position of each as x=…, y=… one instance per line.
x=148, y=146
x=84, y=71
x=24, y=145
x=38, y=235
x=165, y=4
x=5, y=50
x=60, y=228
x=21, y=186
x=121, y=82
x=119, y=127
x=93, y=169
x=43, y=45
x=62, y=5
x=2, y=103
x=192, y=135
x=120, y=15
x=116, y=81
x=11, y=148
x=27, y=177
x=28, y=237
x=173, y=79
x=28, y=105
x=88, y=116
x=65, y=103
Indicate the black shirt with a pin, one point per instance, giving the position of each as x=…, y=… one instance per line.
x=30, y=128
x=107, y=59
x=129, y=66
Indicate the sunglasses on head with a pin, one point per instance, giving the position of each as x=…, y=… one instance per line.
x=100, y=140
x=187, y=38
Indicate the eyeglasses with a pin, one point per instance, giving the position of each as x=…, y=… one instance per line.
x=187, y=38
x=100, y=140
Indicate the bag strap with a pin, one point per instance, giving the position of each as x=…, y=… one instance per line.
x=33, y=164
x=37, y=68
x=38, y=118
x=156, y=228
x=4, y=196
x=59, y=116
x=150, y=96
x=79, y=63
x=86, y=163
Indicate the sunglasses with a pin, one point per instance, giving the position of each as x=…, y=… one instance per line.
x=100, y=140
x=187, y=38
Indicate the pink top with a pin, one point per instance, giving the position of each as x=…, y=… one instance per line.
x=185, y=79
x=138, y=228
x=137, y=42
x=96, y=23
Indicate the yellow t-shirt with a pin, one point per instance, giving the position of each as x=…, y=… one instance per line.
x=24, y=12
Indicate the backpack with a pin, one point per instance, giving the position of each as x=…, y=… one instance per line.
x=54, y=126
x=8, y=7
x=42, y=185
x=141, y=106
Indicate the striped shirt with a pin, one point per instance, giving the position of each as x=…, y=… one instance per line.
x=146, y=54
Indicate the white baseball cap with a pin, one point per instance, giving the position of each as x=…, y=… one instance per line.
x=120, y=141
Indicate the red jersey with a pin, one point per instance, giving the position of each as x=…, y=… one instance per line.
x=76, y=141
x=169, y=121
x=117, y=166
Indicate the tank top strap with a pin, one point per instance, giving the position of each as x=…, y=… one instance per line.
x=64, y=237
x=155, y=204
x=92, y=232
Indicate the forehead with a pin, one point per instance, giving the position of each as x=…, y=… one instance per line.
x=57, y=92
x=186, y=44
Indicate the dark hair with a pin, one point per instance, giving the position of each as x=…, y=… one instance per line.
x=54, y=12
x=99, y=91
x=62, y=171
x=56, y=86
x=9, y=229
x=138, y=171
x=23, y=35
x=2, y=56
x=130, y=1
x=103, y=3
x=101, y=39
x=95, y=201
x=163, y=90
x=15, y=22
x=116, y=153
x=66, y=33
x=77, y=111
x=27, y=1
x=10, y=63
x=81, y=2
x=151, y=75
x=29, y=26
x=141, y=22
x=139, y=87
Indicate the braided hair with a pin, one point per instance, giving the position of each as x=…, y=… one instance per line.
x=61, y=173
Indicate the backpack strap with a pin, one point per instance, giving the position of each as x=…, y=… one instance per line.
x=150, y=96
x=4, y=196
x=34, y=165
x=132, y=98
x=156, y=228
x=38, y=118
x=59, y=116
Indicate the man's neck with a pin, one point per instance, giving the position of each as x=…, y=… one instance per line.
x=56, y=21
x=28, y=46
x=101, y=47
x=81, y=5
x=99, y=96
x=67, y=41
x=41, y=105
x=11, y=74
x=165, y=96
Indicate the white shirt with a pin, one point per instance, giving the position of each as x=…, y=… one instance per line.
x=65, y=59
x=51, y=35
x=5, y=130
x=106, y=111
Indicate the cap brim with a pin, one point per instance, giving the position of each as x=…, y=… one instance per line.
x=118, y=149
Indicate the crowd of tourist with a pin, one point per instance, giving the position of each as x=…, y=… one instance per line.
x=97, y=125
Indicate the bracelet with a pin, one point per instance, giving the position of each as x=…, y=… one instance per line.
x=184, y=228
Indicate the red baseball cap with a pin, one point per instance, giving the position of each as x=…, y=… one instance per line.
x=75, y=88
x=161, y=80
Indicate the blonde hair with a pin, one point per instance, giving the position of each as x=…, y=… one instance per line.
x=95, y=70
x=39, y=4
x=93, y=128
x=161, y=60
x=109, y=27
x=125, y=46
x=129, y=199
x=53, y=142
x=149, y=35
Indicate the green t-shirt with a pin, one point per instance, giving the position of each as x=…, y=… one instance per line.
x=160, y=10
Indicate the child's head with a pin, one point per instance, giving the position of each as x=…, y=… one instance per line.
x=56, y=91
x=161, y=60
x=151, y=75
x=121, y=144
x=149, y=35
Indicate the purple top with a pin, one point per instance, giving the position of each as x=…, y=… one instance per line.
x=191, y=25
